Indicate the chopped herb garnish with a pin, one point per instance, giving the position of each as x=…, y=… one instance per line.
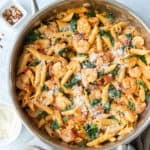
x=107, y=106
x=87, y=64
x=73, y=81
x=33, y=36
x=100, y=73
x=91, y=14
x=95, y=102
x=108, y=35
x=115, y=71
x=92, y=130
x=65, y=119
x=110, y=16
x=34, y=63
x=42, y=114
x=44, y=88
x=113, y=92
x=54, y=124
x=131, y=105
x=148, y=97
x=82, y=143
x=73, y=22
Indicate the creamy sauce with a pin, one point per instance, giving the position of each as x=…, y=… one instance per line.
x=8, y=120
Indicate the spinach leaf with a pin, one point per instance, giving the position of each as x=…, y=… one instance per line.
x=61, y=90
x=65, y=119
x=35, y=62
x=56, y=41
x=131, y=105
x=73, y=81
x=141, y=57
x=73, y=22
x=92, y=130
x=54, y=124
x=113, y=92
x=44, y=88
x=140, y=82
x=69, y=107
x=42, y=114
x=107, y=106
x=64, y=52
x=110, y=16
x=115, y=71
x=82, y=143
x=33, y=36
x=95, y=102
x=87, y=64
x=82, y=54
x=100, y=73
x=113, y=117
x=88, y=90
x=91, y=14
x=129, y=36
x=147, y=97
x=108, y=35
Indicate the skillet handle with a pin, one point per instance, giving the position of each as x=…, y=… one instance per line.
x=34, y=6
x=125, y=147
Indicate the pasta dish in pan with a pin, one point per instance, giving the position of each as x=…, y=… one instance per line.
x=83, y=76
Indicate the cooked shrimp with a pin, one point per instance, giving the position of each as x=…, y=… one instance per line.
x=88, y=76
x=130, y=116
x=42, y=44
x=146, y=72
x=48, y=30
x=93, y=21
x=80, y=45
x=147, y=58
x=139, y=107
x=138, y=41
x=83, y=26
x=95, y=94
x=129, y=85
x=131, y=62
x=135, y=72
x=46, y=97
x=61, y=101
x=67, y=135
x=58, y=69
x=23, y=82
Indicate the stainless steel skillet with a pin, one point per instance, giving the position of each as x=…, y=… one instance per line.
x=102, y=5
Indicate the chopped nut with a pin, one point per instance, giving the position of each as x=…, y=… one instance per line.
x=12, y=15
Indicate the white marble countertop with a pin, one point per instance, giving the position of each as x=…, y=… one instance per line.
x=141, y=7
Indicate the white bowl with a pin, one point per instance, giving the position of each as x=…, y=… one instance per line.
x=17, y=128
